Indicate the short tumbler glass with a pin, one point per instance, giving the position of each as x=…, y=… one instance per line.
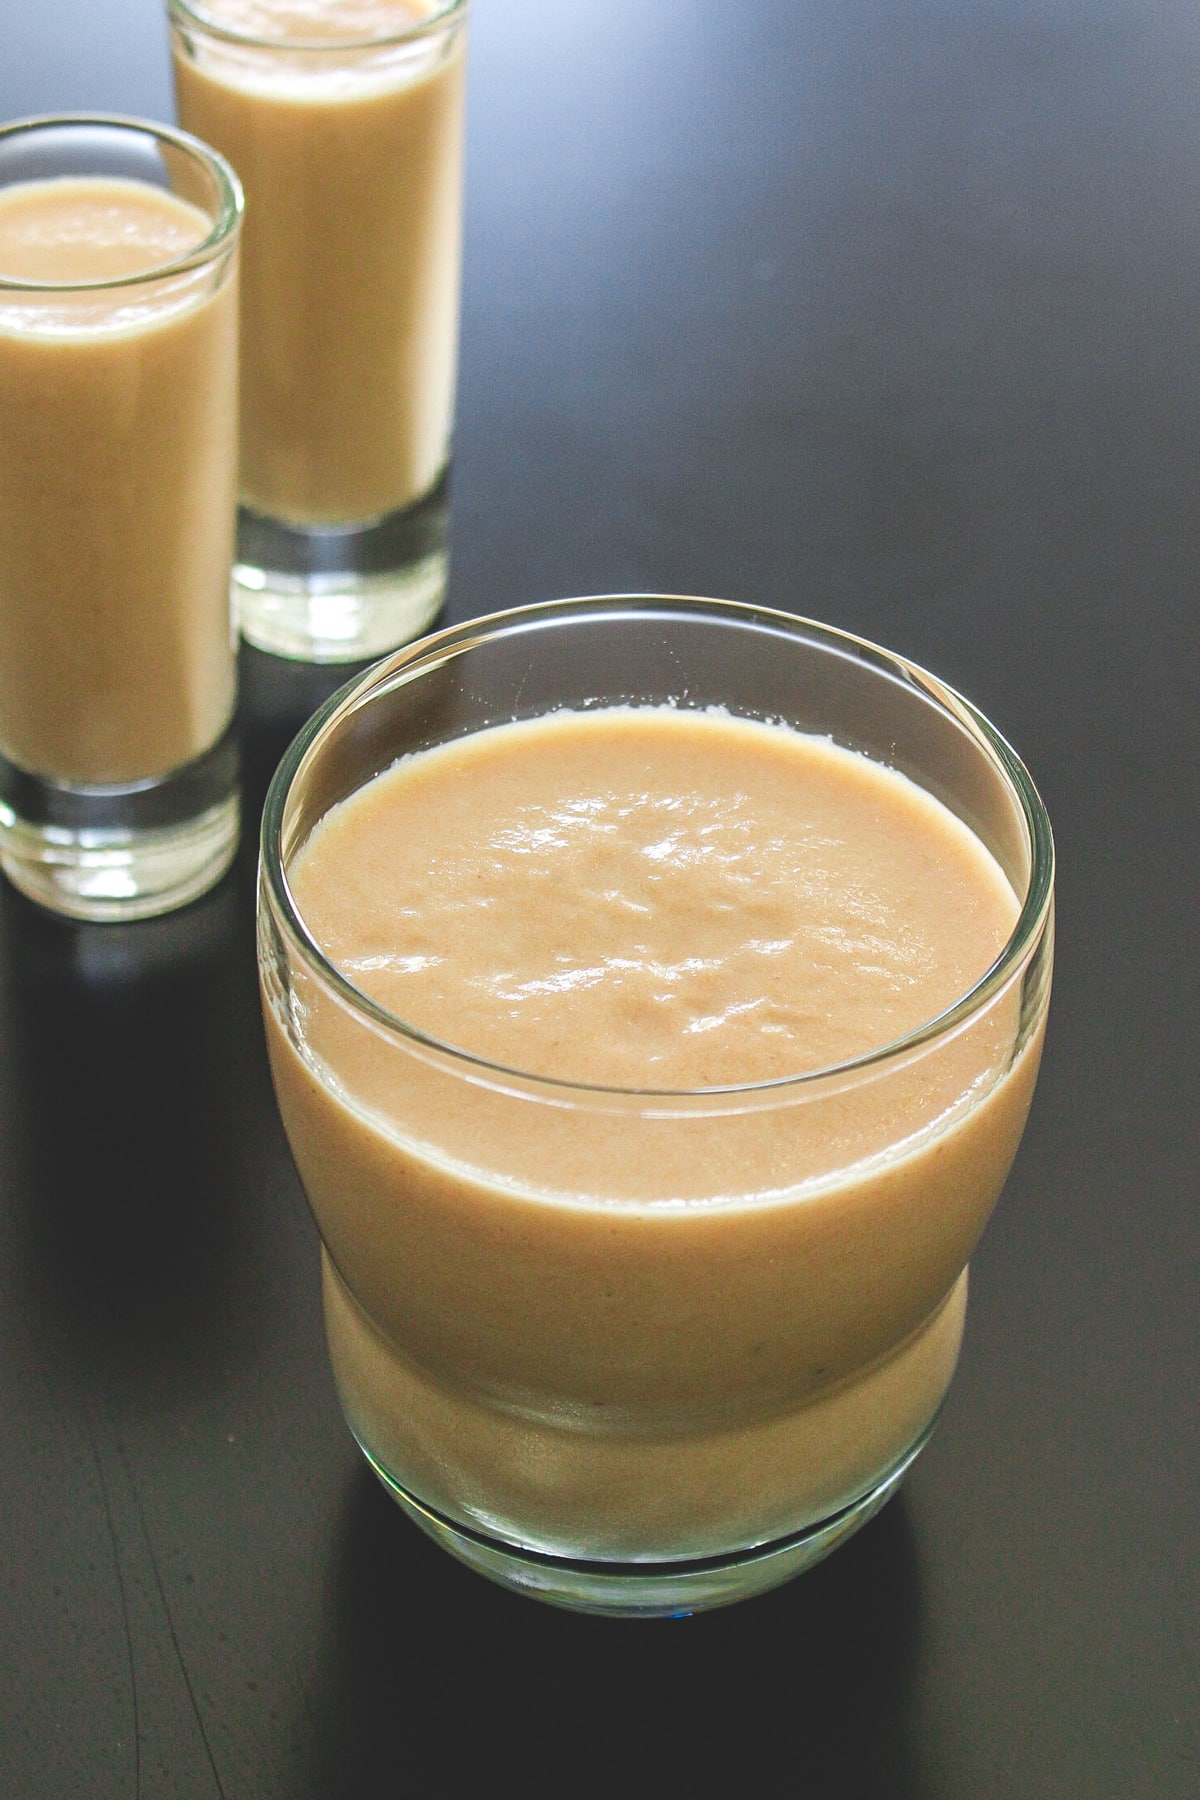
x=118, y=468
x=569, y=1354
x=346, y=126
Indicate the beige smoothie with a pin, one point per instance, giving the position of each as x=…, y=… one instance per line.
x=117, y=504
x=626, y=1324
x=352, y=164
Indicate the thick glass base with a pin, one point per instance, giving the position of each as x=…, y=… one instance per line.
x=344, y=593
x=651, y=1590
x=120, y=853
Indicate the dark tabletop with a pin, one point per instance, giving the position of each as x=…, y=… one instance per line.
x=887, y=313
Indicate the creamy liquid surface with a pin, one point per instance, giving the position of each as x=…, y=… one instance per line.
x=311, y=21
x=93, y=229
x=351, y=160
x=653, y=898
x=609, y=1328
x=116, y=467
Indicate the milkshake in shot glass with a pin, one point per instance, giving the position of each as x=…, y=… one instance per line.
x=118, y=466
x=344, y=121
x=654, y=989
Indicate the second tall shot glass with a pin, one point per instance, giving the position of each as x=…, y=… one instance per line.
x=345, y=124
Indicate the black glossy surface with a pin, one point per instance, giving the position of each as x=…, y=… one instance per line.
x=886, y=313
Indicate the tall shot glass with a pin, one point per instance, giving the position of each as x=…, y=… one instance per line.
x=118, y=464
x=345, y=123
x=647, y=1352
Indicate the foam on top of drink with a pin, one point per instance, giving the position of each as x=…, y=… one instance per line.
x=314, y=20
x=93, y=228
x=89, y=230
x=653, y=896
x=311, y=54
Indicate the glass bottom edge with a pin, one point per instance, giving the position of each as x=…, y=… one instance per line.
x=650, y=1589
x=121, y=875
x=341, y=594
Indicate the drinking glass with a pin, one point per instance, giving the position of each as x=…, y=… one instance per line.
x=646, y=1352
x=346, y=127
x=118, y=466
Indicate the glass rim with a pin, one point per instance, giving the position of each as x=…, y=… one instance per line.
x=194, y=13
x=230, y=198
x=438, y=648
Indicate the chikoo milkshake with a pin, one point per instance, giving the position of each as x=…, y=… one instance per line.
x=116, y=496
x=671, y=1291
